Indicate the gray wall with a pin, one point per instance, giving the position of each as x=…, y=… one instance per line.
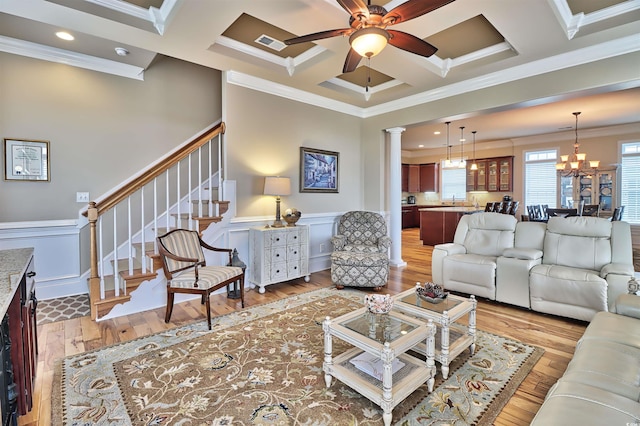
x=264, y=135
x=102, y=128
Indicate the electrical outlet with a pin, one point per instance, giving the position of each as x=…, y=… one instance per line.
x=321, y=248
x=82, y=197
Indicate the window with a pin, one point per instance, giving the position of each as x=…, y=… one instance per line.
x=540, y=178
x=630, y=182
x=454, y=181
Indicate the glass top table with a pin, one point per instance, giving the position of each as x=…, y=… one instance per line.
x=454, y=337
x=377, y=366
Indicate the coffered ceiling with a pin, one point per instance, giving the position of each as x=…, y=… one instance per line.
x=475, y=39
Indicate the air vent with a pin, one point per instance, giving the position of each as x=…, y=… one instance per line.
x=270, y=42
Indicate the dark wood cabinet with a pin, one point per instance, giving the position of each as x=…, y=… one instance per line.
x=420, y=177
x=438, y=227
x=410, y=216
x=493, y=175
x=429, y=177
x=21, y=316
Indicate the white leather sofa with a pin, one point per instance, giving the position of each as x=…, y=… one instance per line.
x=468, y=265
x=572, y=267
x=602, y=382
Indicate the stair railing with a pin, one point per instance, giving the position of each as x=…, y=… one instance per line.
x=124, y=224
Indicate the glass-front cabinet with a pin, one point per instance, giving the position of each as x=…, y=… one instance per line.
x=596, y=189
x=493, y=175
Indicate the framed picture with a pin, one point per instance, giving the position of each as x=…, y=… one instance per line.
x=26, y=160
x=318, y=170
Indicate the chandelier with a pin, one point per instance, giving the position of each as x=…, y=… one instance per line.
x=576, y=163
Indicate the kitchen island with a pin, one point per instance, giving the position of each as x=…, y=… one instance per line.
x=438, y=224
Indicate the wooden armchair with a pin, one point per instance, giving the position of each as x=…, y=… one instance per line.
x=186, y=270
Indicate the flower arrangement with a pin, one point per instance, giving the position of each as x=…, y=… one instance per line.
x=291, y=216
x=378, y=303
x=432, y=293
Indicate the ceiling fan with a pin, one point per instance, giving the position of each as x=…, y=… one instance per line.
x=368, y=33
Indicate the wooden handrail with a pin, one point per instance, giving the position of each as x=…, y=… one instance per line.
x=154, y=171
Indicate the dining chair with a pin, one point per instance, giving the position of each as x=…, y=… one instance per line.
x=590, y=210
x=562, y=212
x=617, y=213
x=187, y=271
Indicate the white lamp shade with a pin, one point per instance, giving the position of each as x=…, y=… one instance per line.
x=369, y=42
x=277, y=185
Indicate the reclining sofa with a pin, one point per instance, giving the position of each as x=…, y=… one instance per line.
x=572, y=267
x=602, y=382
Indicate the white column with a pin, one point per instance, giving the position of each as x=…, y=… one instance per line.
x=395, y=195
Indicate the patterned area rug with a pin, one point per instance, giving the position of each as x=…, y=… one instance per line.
x=263, y=366
x=63, y=308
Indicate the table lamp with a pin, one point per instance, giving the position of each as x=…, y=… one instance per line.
x=277, y=185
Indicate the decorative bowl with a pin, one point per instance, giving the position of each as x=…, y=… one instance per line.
x=432, y=293
x=378, y=303
x=291, y=216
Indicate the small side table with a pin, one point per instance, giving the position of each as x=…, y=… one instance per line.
x=454, y=338
x=388, y=337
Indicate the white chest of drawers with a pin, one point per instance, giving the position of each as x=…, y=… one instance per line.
x=278, y=254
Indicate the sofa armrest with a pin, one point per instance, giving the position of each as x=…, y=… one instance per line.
x=628, y=305
x=616, y=268
x=522, y=253
x=338, y=241
x=384, y=243
x=451, y=248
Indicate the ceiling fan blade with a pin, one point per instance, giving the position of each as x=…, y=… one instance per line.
x=411, y=43
x=319, y=36
x=352, y=61
x=355, y=8
x=412, y=9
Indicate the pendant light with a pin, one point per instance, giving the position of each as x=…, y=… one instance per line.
x=448, y=162
x=462, y=163
x=474, y=165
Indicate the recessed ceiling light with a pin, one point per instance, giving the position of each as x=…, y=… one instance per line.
x=420, y=146
x=65, y=35
x=436, y=132
x=121, y=51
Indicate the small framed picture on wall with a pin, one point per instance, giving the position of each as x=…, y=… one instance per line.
x=26, y=160
x=318, y=170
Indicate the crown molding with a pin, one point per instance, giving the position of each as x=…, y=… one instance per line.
x=621, y=46
x=277, y=89
x=158, y=17
x=61, y=56
x=571, y=23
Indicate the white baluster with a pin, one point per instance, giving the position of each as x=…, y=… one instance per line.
x=143, y=255
x=200, y=182
x=166, y=212
x=178, y=220
x=155, y=214
x=209, y=181
x=101, y=257
x=129, y=233
x=189, y=200
x=116, y=278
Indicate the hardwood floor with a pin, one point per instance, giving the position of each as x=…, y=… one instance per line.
x=557, y=336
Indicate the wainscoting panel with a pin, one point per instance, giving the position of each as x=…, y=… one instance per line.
x=56, y=247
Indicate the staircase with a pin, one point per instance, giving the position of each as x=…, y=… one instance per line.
x=185, y=189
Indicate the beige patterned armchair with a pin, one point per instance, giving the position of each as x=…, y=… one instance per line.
x=360, y=255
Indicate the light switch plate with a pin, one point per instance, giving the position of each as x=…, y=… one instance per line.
x=82, y=197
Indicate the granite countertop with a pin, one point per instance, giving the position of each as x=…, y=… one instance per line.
x=13, y=264
x=457, y=209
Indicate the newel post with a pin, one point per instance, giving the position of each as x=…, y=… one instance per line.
x=94, y=279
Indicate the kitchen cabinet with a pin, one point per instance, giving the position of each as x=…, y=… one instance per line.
x=493, y=175
x=410, y=216
x=410, y=178
x=429, y=177
x=420, y=177
x=437, y=226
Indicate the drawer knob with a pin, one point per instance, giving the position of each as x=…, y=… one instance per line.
x=277, y=239
x=295, y=252
x=31, y=274
x=277, y=254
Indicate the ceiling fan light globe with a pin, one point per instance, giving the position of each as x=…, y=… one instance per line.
x=368, y=42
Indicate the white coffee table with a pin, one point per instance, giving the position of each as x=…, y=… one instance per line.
x=387, y=338
x=454, y=338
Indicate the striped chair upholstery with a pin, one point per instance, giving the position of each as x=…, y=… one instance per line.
x=186, y=270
